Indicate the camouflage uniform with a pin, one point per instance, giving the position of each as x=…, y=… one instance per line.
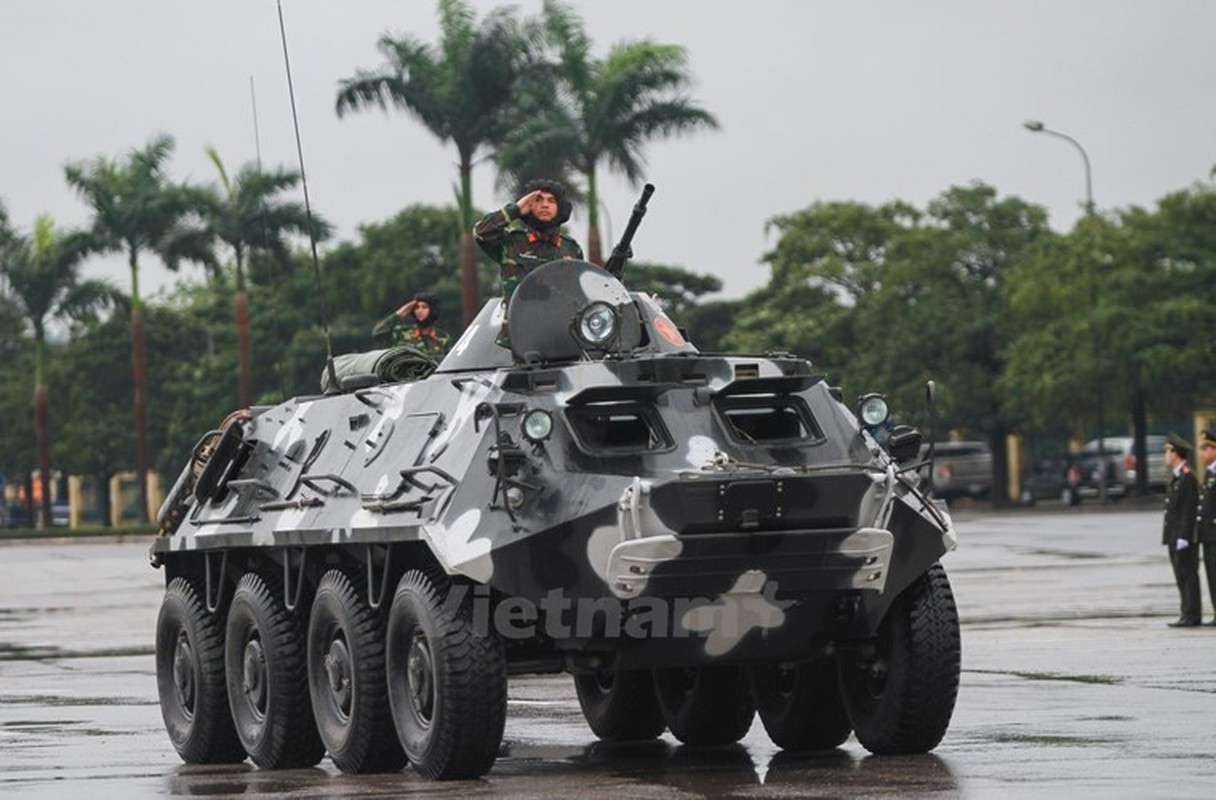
x=519, y=248
x=427, y=338
x=407, y=330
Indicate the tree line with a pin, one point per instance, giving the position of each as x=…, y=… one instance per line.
x=1024, y=330
x=526, y=90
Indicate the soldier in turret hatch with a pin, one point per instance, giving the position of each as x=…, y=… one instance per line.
x=522, y=235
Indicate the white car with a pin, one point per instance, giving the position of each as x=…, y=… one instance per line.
x=1121, y=466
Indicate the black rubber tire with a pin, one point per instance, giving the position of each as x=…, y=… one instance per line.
x=900, y=701
x=620, y=705
x=800, y=705
x=447, y=681
x=346, y=679
x=706, y=705
x=190, y=679
x=264, y=658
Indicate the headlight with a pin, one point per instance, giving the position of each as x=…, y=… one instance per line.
x=874, y=410
x=597, y=324
x=537, y=425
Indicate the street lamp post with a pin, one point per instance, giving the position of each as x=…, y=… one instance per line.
x=1035, y=126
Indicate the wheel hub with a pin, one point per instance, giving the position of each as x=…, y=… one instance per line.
x=338, y=673
x=420, y=672
x=253, y=677
x=605, y=679
x=183, y=673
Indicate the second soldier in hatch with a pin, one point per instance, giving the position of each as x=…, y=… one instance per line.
x=413, y=324
x=522, y=235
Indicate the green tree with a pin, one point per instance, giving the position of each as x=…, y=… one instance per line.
x=459, y=90
x=43, y=275
x=248, y=216
x=138, y=211
x=1157, y=301
x=92, y=400
x=677, y=289
x=606, y=111
x=1112, y=315
x=891, y=297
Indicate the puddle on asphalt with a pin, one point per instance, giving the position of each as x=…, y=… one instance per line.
x=68, y=702
x=1070, y=554
x=1047, y=739
x=1103, y=680
x=44, y=652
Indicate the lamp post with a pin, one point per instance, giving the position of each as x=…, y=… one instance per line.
x=1036, y=126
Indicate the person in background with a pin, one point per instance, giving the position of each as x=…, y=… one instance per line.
x=413, y=324
x=1205, y=513
x=1178, y=530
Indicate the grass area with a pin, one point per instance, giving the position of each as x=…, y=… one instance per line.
x=89, y=532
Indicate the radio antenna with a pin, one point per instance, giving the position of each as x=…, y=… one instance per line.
x=312, y=237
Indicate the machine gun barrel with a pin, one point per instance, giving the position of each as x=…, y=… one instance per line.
x=623, y=251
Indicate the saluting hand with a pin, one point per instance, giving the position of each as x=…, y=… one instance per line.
x=525, y=203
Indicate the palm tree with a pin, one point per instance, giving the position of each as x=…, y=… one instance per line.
x=248, y=219
x=606, y=111
x=136, y=210
x=44, y=280
x=458, y=90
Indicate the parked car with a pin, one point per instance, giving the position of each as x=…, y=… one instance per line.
x=1121, y=466
x=1047, y=480
x=962, y=469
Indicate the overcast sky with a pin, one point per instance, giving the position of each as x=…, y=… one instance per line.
x=818, y=101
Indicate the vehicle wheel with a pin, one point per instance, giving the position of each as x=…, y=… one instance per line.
x=447, y=683
x=620, y=705
x=268, y=678
x=346, y=679
x=900, y=696
x=190, y=679
x=707, y=705
x=800, y=705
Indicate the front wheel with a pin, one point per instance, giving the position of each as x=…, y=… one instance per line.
x=706, y=705
x=190, y=679
x=899, y=691
x=447, y=683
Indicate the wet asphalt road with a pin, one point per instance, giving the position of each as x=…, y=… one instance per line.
x=1072, y=686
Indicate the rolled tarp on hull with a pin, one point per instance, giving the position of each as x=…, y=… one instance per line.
x=389, y=365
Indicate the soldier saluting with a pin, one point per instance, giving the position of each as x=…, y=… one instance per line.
x=1178, y=532
x=522, y=235
x=1205, y=517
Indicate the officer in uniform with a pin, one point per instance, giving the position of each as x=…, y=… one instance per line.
x=1178, y=532
x=1205, y=517
x=522, y=235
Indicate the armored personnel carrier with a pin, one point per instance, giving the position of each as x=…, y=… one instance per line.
x=696, y=538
